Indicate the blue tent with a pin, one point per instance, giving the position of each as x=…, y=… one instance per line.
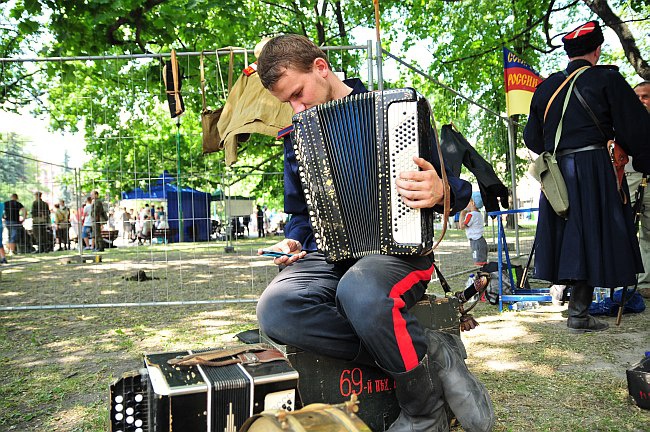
x=195, y=207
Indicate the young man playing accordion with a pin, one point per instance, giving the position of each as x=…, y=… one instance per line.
x=358, y=309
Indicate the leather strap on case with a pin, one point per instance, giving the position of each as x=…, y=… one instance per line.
x=245, y=354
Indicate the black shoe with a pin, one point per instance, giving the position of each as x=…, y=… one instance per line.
x=585, y=325
x=579, y=320
x=466, y=395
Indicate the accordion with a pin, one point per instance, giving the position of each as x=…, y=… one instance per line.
x=350, y=152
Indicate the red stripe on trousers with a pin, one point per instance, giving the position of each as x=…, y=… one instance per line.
x=404, y=341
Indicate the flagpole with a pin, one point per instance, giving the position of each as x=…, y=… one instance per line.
x=512, y=146
x=380, y=51
x=524, y=78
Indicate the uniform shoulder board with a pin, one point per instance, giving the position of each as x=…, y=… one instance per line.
x=611, y=67
x=251, y=69
x=285, y=131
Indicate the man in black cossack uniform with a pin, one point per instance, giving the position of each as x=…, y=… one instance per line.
x=596, y=244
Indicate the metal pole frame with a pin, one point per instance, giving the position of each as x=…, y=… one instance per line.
x=512, y=148
x=179, y=186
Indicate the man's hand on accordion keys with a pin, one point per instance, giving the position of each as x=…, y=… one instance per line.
x=420, y=189
x=292, y=250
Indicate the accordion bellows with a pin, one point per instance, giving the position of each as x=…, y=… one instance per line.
x=350, y=152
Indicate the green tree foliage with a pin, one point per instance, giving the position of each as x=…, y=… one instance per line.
x=19, y=173
x=465, y=40
x=120, y=104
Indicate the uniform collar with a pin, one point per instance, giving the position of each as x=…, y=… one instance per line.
x=577, y=64
x=356, y=85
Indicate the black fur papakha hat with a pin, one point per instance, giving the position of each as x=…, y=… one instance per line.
x=583, y=39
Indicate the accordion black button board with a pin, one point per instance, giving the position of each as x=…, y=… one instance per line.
x=350, y=152
x=165, y=398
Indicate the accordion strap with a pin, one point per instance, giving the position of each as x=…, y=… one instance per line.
x=446, y=191
x=245, y=354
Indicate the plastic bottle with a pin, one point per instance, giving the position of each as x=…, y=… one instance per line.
x=524, y=305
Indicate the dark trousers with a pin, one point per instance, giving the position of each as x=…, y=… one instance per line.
x=39, y=230
x=63, y=234
x=343, y=310
x=97, y=235
x=260, y=227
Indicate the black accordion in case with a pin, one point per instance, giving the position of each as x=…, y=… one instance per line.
x=350, y=152
x=164, y=398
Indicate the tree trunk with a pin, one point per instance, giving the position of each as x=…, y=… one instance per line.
x=602, y=9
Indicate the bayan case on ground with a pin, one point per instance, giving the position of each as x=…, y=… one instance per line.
x=164, y=398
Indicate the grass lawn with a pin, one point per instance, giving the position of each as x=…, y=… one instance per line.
x=58, y=364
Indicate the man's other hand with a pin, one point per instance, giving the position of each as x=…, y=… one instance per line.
x=287, y=246
x=420, y=189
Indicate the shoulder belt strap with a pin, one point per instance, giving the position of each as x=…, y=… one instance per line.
x=561, y=87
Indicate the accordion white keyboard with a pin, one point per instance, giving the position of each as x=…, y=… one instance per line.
x=403, y=145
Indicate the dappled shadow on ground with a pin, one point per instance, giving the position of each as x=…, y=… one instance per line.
x=183, y=272
x=58, y=365
x=541, y=377
x=203, y=275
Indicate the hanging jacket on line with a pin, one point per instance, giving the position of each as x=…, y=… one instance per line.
x=250, y=108
x=457, y=151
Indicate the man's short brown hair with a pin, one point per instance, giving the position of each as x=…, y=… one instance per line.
x=284, y=52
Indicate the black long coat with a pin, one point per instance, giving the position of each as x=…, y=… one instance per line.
x=597, y=242
x=457, y=151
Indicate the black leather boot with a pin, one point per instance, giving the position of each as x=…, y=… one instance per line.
x=419, y=395
x=466, y=395
x=579, y=319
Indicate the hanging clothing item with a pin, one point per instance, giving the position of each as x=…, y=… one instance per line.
x=173, y=79
x=457, y=151
x=250, y=108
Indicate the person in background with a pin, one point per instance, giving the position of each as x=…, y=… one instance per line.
x=246, y=221
x=99, y=219
x=87, y=230
x=15, y=213
x=146, y=230
x=133, y=219
x=162, y=222
x=40, y=221
x=642, y=90
x=62, y=221
x=471, y=220
x=260, y=221
x=634, y=179
x=457, y=220
x=596, y=244
x=126, y=223
x=3, y=258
